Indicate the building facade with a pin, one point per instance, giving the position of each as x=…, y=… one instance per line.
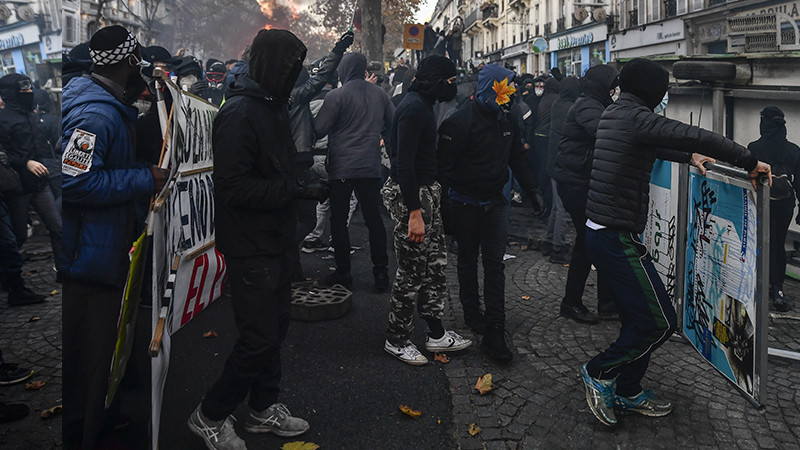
x=30, y=38
x=149, y=20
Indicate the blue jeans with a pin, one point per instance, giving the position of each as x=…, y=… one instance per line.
x=484, y=229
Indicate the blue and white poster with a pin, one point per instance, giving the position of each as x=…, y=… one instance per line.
x=660, y=232
x=720, y=311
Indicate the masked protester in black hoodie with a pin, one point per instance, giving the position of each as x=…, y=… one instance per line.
x=784, y=157
x=255, y=192
x=26, y=144
x=572, y=167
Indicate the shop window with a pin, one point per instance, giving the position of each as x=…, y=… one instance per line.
x=569, y=62
x=597, y=54
x=32, y=56
x=8, y=62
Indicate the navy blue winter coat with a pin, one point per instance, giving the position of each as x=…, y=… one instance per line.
x=98, y=205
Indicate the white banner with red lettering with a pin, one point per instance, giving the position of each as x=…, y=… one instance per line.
x=183, y=236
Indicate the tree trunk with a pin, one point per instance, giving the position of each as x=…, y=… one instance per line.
x=371, y=21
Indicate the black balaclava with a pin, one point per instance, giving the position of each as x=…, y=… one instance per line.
x=9, y=91
x=645, y=79
x=276, y=58
x=431, y=79
x=773, y=124
x=599, y=81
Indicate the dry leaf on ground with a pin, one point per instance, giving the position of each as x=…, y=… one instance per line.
x=210, y=334
x=441, y=357
x=484, y=384
x=407, y=410
x=474, y=429
x=299, y=445
x=34, y=319
x=34, y=385
x=48, y=413
x=54, y=292
x=526, y=297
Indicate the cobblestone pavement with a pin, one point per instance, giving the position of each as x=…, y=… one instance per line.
x=31, y=336
x=538, y=401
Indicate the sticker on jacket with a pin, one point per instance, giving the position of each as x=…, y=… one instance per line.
x=77, y=158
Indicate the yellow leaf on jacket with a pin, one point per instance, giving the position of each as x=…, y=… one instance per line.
x=484, y=384
x=409, y=411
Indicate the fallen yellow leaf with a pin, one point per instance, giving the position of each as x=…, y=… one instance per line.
x=210, y=334
x=299, y=445
x=407, y=410
x=441, y=357
x=48, y=413
x=484, y=384
x=474, y=429
x=526, y=297
x=54, y=292
x=34, y=385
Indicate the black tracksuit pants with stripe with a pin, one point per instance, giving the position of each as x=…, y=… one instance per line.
x=646, y=312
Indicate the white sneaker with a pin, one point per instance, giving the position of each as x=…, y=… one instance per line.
x=219, y=437
x=275, y=419
x=451, y=341
x=408, y=354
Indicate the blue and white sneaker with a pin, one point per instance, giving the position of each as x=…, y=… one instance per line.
x=599, y=396
x=645, y=403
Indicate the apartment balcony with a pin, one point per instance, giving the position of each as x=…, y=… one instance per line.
x=490, y=17
x=561, y=24
x=462, y=7
x=670, y=8
x=548, y=29
x=516, y=4
x=471, y=20
x=633, y=18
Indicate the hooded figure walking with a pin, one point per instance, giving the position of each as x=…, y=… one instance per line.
x=784, y=157
x=256, y=192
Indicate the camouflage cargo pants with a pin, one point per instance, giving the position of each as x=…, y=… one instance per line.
x=420, y=279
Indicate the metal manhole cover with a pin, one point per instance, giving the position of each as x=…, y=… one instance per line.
x=312, y=302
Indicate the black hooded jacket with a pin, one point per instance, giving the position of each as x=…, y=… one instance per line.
x=774, y=149
x=548, y=98
x=629, y=139
x=22, y=139
x=353, y=117
x=573, y=163
x=254, y=171
x=569, y=90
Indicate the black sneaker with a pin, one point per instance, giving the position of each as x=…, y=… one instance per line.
x=496, y=344
x=607, y=311
x=12, y=412
x=578, y=313
x=476, y=322
x=11, y=373
x=381, y=282
x=780, y=303
x=23, y=296
x=338, y=278
x=313, y=246
x=545, y=246
x=560, y=257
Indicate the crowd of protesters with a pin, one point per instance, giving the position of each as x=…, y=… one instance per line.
x=299, y=147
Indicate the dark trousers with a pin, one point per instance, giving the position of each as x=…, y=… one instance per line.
x=540, y=148
x=44, y=204
x=780, y=217
x=574, y=199
x=482, y=229
x=89, y=333
x=10, y=261
x=645, y=310
x=261, y=291
x=368, y=192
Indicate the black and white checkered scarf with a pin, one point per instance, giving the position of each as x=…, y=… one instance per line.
x=116, y=54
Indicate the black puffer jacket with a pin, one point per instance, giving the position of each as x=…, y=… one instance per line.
x=574, y=161
x=569, y=90
x=254, y=171
x=774, y=149
x=629, y=139
x=23, y=139
x=548, y=98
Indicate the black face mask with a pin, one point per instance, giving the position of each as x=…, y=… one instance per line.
x=447, y=92
x=506, y=107
x=134, y=88
x=25, y=101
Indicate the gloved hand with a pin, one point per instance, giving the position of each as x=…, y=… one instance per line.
x=160, y=177
x=314, y=190
x=4, y=158
x=537, y=202
x=344, y=42
x=198, y=87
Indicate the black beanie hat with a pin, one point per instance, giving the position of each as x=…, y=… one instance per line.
x=434, y=68
x=774, y=114
x=645, y=79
